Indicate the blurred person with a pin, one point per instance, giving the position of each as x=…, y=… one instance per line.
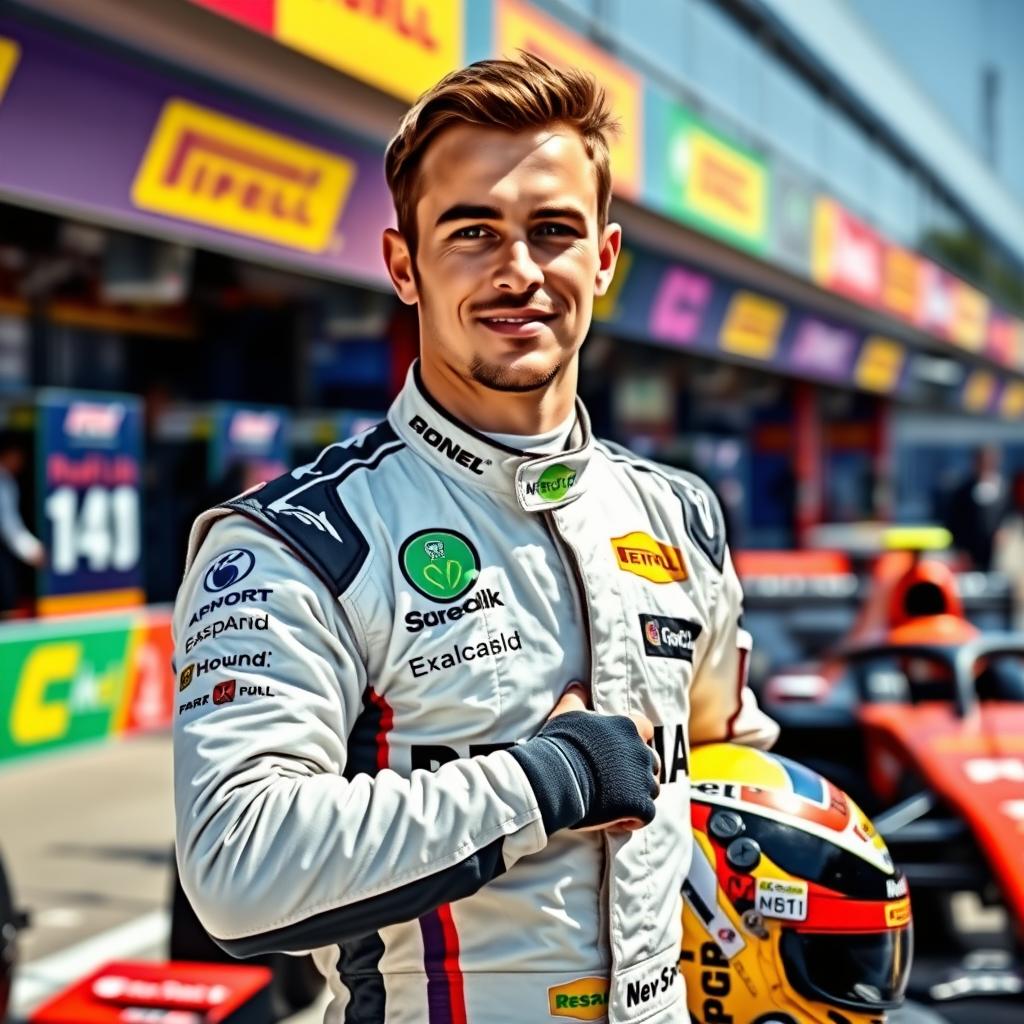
x=1009, y=555
x=380, y=752
x=20, y=545
x=975, y=508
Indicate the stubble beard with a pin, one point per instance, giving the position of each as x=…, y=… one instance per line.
x=500, y=378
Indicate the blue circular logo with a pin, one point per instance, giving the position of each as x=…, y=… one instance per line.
x=228, y=569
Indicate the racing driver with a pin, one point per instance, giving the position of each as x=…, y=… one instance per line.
x=379, y=755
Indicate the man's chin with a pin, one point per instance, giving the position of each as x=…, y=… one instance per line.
x=515, y=379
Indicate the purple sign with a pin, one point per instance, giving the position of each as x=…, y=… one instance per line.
x=89, y=131
x=823, y=350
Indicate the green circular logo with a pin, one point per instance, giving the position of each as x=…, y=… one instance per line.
x=441, y=564
x=555, y=482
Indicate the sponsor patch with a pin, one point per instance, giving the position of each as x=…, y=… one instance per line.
x=233, y=623
x=666, y=637
x=227, y=569
x=185, y=679
x=781, y=899
x=482, y=599
x=897, y=914
x=259, y=660
x=440, y=564
x=582, y=999
x=653, y=560
x=447, y=447
x=553, y=484
x=224, y=693
x=460, y=654
x=895, y=888
x=257, y=596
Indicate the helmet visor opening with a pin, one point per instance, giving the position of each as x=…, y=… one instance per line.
x=858, y=971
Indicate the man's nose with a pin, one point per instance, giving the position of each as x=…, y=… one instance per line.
x=518, y=270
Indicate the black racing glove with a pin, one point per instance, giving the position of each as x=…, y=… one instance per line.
x=599, y=759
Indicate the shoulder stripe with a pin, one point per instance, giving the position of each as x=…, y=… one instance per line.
x=311, y=517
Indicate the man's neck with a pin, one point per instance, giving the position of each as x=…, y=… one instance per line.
x=490, y=411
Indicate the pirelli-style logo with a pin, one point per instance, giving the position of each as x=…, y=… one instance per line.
x=10, y=51
x=211, y=169
x=642, y=555
x=897, y=914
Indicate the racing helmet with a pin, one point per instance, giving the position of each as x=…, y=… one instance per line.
x=793, y=912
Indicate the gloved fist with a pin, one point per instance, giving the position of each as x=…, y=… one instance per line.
x=590, y=770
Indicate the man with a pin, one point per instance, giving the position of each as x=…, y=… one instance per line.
x=422, y=598
x=20, y=545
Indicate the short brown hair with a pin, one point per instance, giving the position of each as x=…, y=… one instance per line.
x=514, y=95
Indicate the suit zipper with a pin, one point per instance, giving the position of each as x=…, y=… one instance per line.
x=568, y=558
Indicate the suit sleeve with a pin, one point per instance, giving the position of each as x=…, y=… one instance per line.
x=722, y=705
x=281, y=845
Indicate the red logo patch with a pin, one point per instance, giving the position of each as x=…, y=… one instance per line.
x=224, y=693
x=740, y=887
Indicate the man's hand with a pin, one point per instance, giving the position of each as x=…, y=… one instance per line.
x=610, y=767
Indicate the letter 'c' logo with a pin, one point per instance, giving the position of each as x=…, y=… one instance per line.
x=440, y=564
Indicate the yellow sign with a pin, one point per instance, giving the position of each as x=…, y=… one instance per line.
x=1011, y=405
x=979, y=390
x=402, y=47
x=752, y=326
x=582, y=999
x=654, y=560
x=880, y=364
x=901, y=282
x=519, y=27
x=725, y=186
x=10, y=51
x=205, y=167
x=970, y=316
x=897, y=914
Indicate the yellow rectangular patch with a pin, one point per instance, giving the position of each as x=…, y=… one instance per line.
x=752, y=326
x=402, y=48
x=725, y=186
x=211, y=169
x=582, y=999
x=880, y=364
x=897, y=914
x=654, y=560
x=10, y=52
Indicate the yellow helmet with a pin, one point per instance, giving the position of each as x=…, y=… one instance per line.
x=793, y=912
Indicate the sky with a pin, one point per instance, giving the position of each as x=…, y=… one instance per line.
x=944, y=45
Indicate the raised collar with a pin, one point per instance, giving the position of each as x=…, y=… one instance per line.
x=537, y=483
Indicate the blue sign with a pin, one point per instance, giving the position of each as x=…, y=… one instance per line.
x=88, y=464
x=248, y=444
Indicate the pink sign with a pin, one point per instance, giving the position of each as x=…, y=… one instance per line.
x=822, y=349
x=856, y=259
x=680, y=303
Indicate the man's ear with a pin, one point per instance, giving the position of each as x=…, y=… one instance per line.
x=611, y=244
x=398, y=259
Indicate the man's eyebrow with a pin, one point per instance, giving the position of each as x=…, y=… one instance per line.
x=467, y=211
x=564, y=212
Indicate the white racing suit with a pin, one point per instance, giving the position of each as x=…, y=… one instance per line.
x=357, y=644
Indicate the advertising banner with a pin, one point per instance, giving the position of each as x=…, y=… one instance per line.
x=792, y=217
x=132, y=144
x=846, y=253
x=714, y=183
x=247, y=442
x=655, y=297
x=902, y=283
x=970, y=316
x=84, y=678
x=979, y=391
x=88, y=469
x=402, y=47
x=518, y=26
x=1011, y=402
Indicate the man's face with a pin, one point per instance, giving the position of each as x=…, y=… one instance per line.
x=509, y=255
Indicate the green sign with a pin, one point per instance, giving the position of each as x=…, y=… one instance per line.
x=712, y=182
x=440, y=564
x=555, y=482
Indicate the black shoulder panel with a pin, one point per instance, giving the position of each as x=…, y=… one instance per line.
x=702, y=512
x=303, y=507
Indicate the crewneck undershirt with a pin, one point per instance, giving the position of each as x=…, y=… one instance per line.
x=538, y=444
